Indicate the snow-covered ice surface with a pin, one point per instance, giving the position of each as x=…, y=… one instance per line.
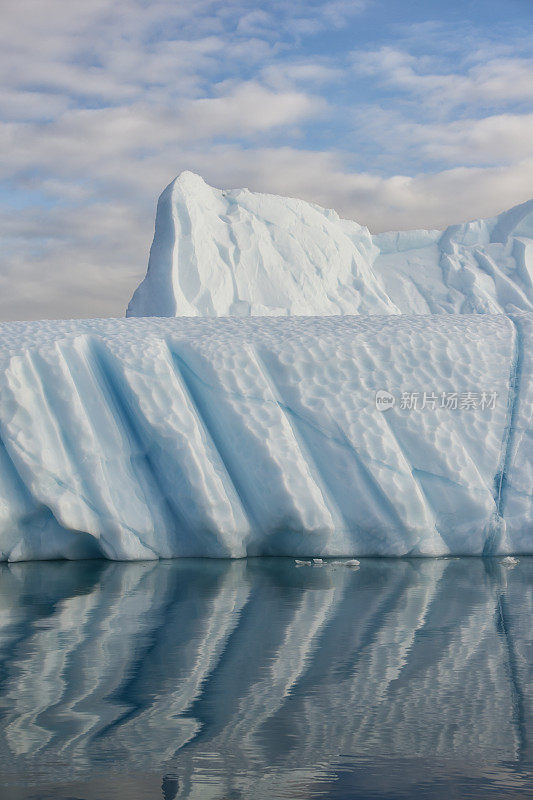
x=147, y=438
x=240, y=253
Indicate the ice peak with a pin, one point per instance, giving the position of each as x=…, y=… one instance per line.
x=189, y=181
x=241, y=253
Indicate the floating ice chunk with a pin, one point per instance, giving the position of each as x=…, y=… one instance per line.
x=510, y=561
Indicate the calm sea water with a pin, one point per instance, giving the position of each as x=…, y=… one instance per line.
x=261, y=679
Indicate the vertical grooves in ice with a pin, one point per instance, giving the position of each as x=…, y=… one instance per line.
x=270, y=473
x=192, y=383
x=497, y=532
x=298, y=424
x=437, y=540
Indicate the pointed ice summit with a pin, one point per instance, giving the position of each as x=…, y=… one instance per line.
x=241, y=253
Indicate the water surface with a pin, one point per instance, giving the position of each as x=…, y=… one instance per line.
x=260, y=679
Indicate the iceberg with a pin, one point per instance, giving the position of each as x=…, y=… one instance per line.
x=239, y=253
x=150, y=438
x=285, y=384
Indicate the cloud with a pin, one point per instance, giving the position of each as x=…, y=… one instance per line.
x=446, y=105
x=248, y=108
x=491, y=140
x=495, y=80
x=102, y=143
x=302, y=72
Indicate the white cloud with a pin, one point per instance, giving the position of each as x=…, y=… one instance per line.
x=311, y=73
x=248, y=108
x=447, y=108
x=496, y=80
x=491, y=140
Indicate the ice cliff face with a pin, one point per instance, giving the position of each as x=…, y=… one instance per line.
x=238, y=253
x=147, y=438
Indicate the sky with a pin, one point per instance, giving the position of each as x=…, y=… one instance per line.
x=397, y=113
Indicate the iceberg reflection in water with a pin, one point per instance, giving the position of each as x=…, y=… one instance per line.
x=259, y=679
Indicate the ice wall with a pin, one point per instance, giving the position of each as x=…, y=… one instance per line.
x=240, y=253
x=139, y=439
